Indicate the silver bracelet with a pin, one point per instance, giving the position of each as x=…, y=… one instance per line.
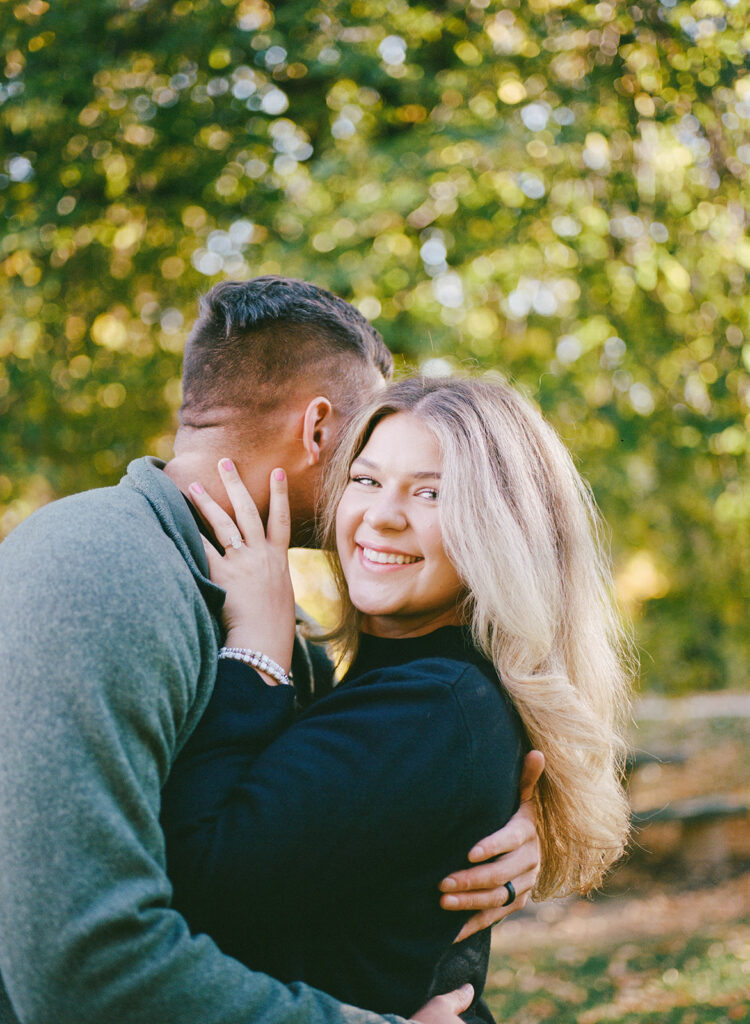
x=259, y=661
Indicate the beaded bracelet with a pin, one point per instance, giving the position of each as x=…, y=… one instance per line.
x=259, y=661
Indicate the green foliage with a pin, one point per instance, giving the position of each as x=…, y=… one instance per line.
x=555, y=189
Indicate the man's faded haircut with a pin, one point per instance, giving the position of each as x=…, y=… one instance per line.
x=253, y=339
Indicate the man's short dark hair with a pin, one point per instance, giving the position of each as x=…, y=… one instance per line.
x=252, y=339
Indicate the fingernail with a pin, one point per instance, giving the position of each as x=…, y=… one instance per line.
x=227, y=465
x=196, y=489
x=450, y=901
x=478, y=851
x=448, y=884
x=278, y=474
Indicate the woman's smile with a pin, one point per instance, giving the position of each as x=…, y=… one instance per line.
x=379, y=558
x=389, y=535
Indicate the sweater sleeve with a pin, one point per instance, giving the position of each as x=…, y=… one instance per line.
x=99, y=664
x=351, y=792
x=243, y=717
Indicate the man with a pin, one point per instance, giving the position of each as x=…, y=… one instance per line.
x=108, y=640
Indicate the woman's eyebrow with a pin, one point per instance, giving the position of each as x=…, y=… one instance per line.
x=428, y=474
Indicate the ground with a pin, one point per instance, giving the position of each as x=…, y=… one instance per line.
x=671, y=958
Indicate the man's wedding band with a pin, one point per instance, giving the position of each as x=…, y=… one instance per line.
x=236, y=541
x=511, y=894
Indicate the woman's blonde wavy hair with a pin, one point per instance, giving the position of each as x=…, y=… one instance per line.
x=523, y=531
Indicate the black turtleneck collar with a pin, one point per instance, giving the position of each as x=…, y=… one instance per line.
x=374, y=652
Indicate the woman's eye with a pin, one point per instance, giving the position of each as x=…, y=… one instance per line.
x=431, y=493
x=367, y=481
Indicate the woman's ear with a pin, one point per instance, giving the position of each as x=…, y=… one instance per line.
x=318, y=428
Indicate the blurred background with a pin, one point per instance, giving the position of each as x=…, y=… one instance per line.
x=554, y=190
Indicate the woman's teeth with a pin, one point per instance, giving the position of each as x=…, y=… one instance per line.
x=388, y=558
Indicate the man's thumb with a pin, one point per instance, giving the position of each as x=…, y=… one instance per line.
x=533, y=766
x=460, y=999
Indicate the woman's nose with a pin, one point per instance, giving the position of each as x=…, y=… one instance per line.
x=385, y=513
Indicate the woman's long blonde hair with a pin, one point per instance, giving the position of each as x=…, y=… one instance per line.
x=522, y=530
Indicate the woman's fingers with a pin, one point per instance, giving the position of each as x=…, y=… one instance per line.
x=279, y=519
x=278, y=530
x=245, y=509
x=247, y=525
x=224, y=527
x=212, y=556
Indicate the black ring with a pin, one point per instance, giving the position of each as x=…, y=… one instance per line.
x=511, y=894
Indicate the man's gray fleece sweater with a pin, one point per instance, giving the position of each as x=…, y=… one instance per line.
x=108, y=643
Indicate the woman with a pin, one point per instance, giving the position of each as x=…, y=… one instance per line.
x=476, y=614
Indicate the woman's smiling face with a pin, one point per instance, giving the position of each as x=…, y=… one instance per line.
x=389, y=536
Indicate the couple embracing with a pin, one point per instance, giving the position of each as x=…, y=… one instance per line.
x=196, y=824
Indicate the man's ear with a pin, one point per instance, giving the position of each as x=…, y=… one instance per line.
x=317, y=428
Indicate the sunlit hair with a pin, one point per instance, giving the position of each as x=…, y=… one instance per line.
x=522, y=530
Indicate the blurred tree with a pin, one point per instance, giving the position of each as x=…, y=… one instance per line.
x=554, y=189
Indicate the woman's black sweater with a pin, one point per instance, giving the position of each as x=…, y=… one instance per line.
x=310, y=845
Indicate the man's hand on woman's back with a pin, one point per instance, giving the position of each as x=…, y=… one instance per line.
x=512, y=855
x=445, y=1009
